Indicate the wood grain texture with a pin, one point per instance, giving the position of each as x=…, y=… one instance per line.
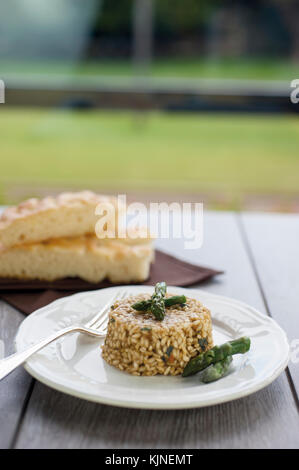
x=267, y=419
x=14, y=388
x=274, y=243
x=223, y=248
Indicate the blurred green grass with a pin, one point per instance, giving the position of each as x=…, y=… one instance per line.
x=259, y=69
x=158, y=151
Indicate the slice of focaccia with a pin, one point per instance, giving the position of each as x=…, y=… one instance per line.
x=67, y=215
x=86, y=257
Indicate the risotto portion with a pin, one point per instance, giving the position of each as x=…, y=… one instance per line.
x=140, y=345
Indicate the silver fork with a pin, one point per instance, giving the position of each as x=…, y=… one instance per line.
x=95, y=327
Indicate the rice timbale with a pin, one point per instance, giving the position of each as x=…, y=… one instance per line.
x=139, y=344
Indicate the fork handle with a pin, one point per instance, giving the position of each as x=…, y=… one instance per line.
x=8, y=364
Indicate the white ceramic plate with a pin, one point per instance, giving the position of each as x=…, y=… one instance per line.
x=74, y=364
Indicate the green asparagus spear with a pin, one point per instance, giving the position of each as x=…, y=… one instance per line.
x=216, y=371
x=145, y=305
x=161, y=287
x=142, y=306
x=175, y=299
x=216, y=354
x=158, y=306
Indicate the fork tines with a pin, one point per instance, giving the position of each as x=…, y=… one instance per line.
x=100, y=320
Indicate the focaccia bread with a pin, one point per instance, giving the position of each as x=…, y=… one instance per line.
x=86, y=257
x=67, y=215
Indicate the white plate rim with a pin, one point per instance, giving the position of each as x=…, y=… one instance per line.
x=59, y=386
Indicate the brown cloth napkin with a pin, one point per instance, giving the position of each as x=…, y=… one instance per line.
x=28, y=296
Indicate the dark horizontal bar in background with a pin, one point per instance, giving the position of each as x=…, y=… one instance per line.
x=154, y=94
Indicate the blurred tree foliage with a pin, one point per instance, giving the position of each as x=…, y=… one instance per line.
x=171, y=16
x=181, y=19
x=115, y=17
x=177, y=17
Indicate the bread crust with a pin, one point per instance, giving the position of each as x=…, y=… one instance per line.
x=67, y=215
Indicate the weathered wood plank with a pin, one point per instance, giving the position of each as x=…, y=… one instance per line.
x=274, y=243
x=268, y=419
x=222, y=249
x=15, y=387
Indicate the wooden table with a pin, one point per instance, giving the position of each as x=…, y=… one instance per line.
x=260, y=256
